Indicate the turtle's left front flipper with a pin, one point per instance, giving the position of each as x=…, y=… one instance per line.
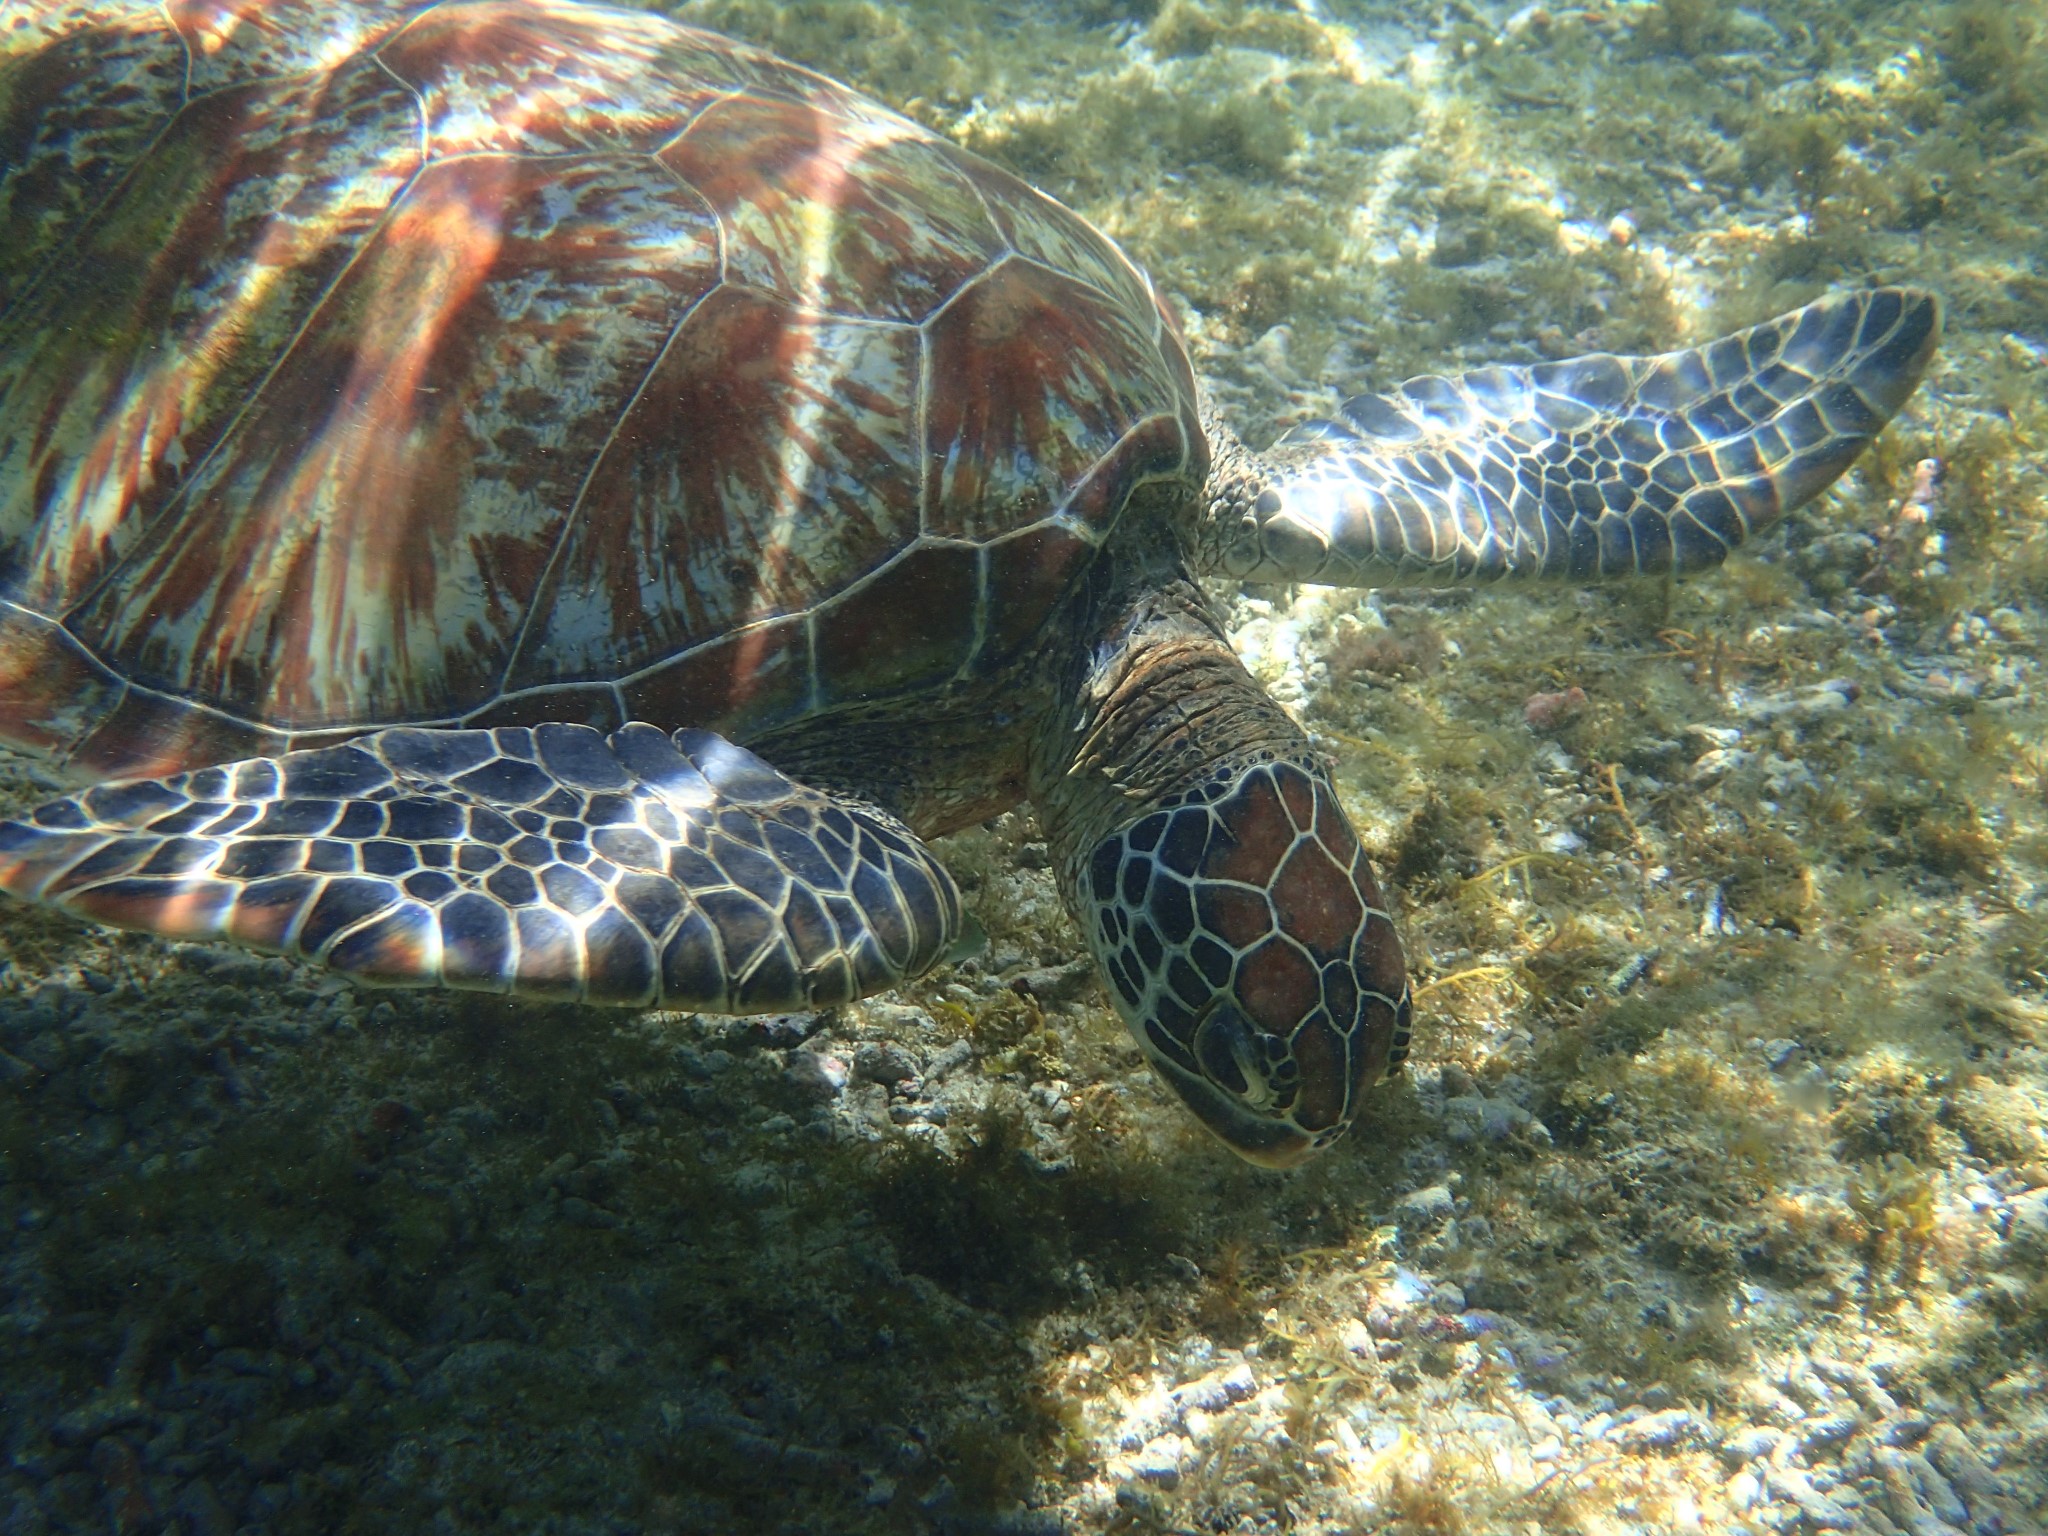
x=1600, y=466
x=634, y=868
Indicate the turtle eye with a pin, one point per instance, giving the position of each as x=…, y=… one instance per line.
x=1229, y=1051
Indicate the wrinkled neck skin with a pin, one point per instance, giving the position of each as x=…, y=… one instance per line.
x=1162, y=706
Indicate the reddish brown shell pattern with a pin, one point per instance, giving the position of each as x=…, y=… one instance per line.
x=365, y=363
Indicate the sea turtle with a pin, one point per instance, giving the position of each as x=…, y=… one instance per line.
x=532, y=497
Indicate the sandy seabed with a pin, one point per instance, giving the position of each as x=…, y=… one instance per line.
x=1716, y=1194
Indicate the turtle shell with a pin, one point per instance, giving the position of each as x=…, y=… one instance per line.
x=371, y=363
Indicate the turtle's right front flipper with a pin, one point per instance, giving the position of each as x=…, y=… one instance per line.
x=635, y=868
x=1599, y=466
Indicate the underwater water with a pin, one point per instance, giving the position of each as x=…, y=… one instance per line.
x=1714, y=1195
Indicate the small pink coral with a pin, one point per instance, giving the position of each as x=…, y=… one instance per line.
x=1548, y=711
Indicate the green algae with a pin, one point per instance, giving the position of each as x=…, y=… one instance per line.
x=1881, y=937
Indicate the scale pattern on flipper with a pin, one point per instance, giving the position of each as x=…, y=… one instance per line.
x=1599, y=466
x=634, y=868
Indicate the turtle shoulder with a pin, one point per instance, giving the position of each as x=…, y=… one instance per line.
x=484, y=362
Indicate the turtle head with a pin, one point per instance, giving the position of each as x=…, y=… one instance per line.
x=1251, y=953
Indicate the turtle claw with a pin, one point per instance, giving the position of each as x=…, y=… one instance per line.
x=635, y=868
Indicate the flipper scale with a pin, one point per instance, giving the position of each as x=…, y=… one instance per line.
x=558, y=862
x=1615, y=466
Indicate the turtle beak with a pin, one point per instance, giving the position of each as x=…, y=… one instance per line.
x=1251, y=954
x=1260, y=1139
x=1280, y=1158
